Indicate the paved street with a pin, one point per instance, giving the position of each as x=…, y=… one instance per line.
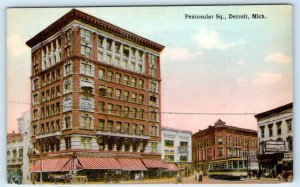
x=190, y=180
x=206, y=180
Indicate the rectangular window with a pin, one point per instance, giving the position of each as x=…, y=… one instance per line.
x=110, y=125
x=110, y=108
x=134, y=113
x=125, y=64
x=278, y=124
x=126, y=96
x=108, y=44
x=110, y=92
x=289, y=125
x=86, y=69
x=118, y=126
x=86, y=122
x=86, y=51
x=270, y=126
x=126, y=127
x=102, y=74
x=118, y=94
x=133, y=82
x=100, y=56
x=117, y=61
x=68, y=122
x=86, y=35
x=126, y=111
x=132, y=66
x=101, y=124
x=141, y=83
x=85, y=143
x=133, y=97
x=117, y=47
x=134, y=128
x=141, y=113
x=142, y=129
x=140, y=68
x=110, y=75
x=183, y=144
x=220, y=140
x=118, y=78
x=140, y=55
x=126, y=80
x=68, y=143
x=153, y=147
x=141, y=99
x=101, y=107
x=108, y=59
x=100, y=41
x=262, y=130
x=119, y=110
x=169, y=143
x=220, y=150
x=68, y=69
x=183, y=158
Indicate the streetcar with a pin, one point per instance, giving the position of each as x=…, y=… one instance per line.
x=228, y=169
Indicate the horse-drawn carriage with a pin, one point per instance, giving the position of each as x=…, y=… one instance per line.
x=68, y=178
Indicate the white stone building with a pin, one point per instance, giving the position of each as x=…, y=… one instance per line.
x=176, y=146
x=275, y=136
x=18, y=145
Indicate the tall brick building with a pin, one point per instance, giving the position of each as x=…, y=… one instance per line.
x=95, y=91
x=223, y=144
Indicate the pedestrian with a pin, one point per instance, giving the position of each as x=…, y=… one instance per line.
x=142, y=175
x=200, y=176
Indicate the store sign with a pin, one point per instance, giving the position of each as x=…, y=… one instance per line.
x=274, y=146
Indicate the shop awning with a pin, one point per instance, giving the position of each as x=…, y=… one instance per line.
x=172, y=167
x=131, y=164
x=49, y=165
x=99, y=163
x=154, y=163
x=72, y=164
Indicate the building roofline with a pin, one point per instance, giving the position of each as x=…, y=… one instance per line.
x=75, y=14
x=173, y=129
x=220, y=125
x=274, y=111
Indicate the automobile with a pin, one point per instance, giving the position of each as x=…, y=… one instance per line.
x=14, y=179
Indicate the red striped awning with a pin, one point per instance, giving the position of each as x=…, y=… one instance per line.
x=172, y=167
x=154, y=163
x=99, y=163
x=49, y=165
x=72, y=164
x=131, y=164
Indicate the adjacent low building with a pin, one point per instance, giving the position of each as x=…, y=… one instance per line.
x=275, y=134
x=225, y=148
x=18, y=145
x=177, y=147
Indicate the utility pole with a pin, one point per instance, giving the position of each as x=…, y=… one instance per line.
x=248, y=160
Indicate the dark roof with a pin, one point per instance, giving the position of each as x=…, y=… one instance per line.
x=220, y=124
x=75, y=14
x=274, y=111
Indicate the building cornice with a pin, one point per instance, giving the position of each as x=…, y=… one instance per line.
x=75, y=14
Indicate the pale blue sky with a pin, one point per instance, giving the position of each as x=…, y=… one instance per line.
x=207, y=65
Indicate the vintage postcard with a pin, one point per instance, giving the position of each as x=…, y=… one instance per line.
x=150, y=95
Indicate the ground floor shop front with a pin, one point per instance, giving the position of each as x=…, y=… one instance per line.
x=104, y=169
